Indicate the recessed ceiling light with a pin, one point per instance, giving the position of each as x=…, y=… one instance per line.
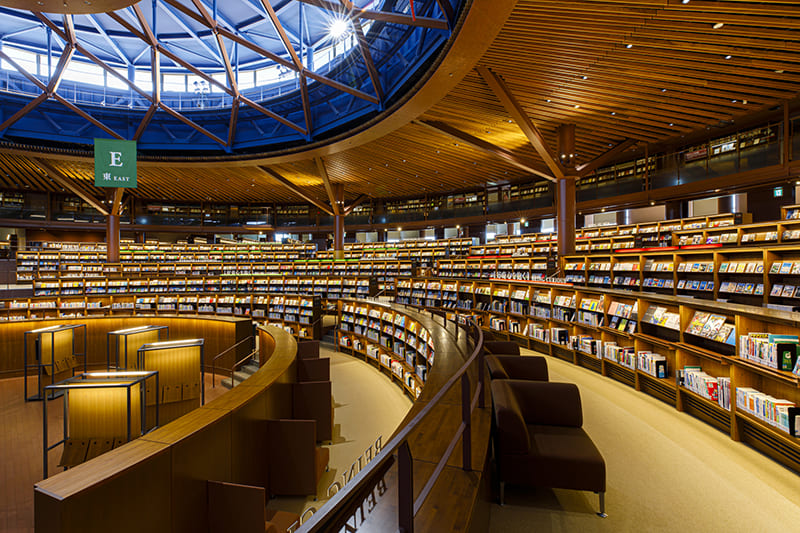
x=671, y=124
x=663, y=90
x=718, y=25
x=728, y=56
x=628, y=46
x=510, y=121
x=685, y=1
x=548, y=101
x=613, y=113
x=733, y=101
x=577, y=106
x=584, y=77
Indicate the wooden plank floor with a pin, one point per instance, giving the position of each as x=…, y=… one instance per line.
x=21, y=450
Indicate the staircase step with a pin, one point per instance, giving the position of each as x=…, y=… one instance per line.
x=249, y=368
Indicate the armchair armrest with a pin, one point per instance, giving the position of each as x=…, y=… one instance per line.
x=511, y=433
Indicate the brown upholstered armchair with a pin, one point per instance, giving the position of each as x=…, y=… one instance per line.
x=500, y=347
x=539, y=439
x=515, y=367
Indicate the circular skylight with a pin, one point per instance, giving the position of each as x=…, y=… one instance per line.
x=236, y=76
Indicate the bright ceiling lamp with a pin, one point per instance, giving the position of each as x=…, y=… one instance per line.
x=338, y=28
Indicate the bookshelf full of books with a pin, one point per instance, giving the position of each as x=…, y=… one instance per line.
x=732, y=365
x=393, y=341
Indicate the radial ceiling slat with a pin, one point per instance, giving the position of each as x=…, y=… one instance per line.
x=649, y=70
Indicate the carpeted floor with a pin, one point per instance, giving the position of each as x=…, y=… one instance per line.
x=666, y=471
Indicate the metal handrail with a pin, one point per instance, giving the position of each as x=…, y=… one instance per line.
x=214, y=360
x=240, y=362
x=408, y=507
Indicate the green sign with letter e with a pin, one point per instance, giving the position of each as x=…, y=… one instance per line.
x=114, y=163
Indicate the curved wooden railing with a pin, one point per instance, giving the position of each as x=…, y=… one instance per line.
x=424, y=424
x=158, y=482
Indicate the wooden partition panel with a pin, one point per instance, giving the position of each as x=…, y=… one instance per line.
x=219, y=334
x=126, y=490
x=158, y=482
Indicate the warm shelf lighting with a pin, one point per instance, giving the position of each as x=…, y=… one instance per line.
x=718, y=25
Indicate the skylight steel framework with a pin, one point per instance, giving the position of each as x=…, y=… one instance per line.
x=208, y=39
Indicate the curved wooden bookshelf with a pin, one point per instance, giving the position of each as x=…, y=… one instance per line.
x=682, y=348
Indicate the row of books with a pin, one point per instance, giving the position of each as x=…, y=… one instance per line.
x=623, y=310
x=661, y=283
x=706, y=266
x=661, y=316
x=785, y=291
x=716, y=389
x=756, y=289
x=712, y=326
x=776, y=412
x=774, y=351
x=623, y=355
x=697, y=285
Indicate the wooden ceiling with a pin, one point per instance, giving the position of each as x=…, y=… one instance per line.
x=650, y=71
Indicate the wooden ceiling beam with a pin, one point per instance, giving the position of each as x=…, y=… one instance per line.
x=291, y=186
x=513, y=108
x=190, y=123
x=67, y=183
x=323, y=173
x=83, y=114
x=116, y=204
x=269, y=55
x=145, y=121
x=363, y=47
x=287, y=44
x=10, y=121
x=604, y=157
x=484, y=146
x=357, y=202
x=382, y=16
